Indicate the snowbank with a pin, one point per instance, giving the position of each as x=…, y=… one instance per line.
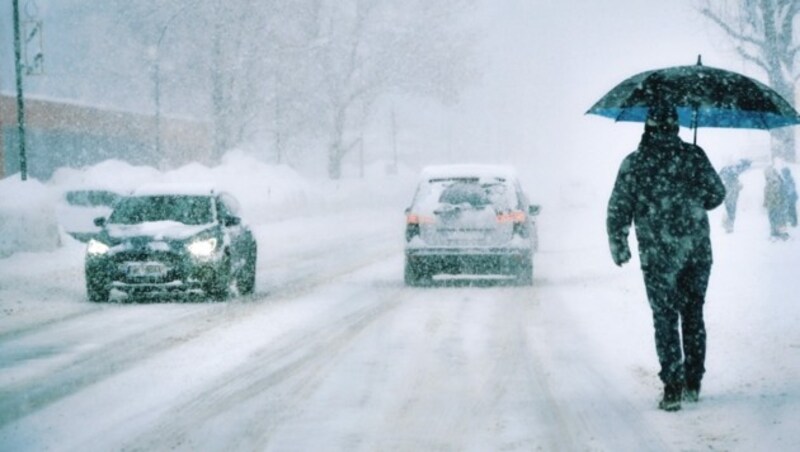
x=27, y=217
x=266, y=193
x=114, y=175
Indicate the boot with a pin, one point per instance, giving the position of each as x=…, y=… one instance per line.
x=672, y=397
x=691, y=393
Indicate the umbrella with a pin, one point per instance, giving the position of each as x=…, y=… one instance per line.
x=703, y=96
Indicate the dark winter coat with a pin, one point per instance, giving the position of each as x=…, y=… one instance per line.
x=664, y=188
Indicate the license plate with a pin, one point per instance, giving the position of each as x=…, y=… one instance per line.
x=145, y=269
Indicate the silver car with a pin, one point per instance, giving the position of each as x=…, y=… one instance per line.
x=470, y=220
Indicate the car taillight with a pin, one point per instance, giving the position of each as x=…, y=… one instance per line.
x=518, y=218
x=413, y=218
x=412, y=224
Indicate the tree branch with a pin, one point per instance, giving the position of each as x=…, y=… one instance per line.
x=753, y=59
x=729, y=30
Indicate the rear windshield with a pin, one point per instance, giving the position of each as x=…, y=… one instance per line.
x=192, y=210
x=472, y=191
x=465, y=193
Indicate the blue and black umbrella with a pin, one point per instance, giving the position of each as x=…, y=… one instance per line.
x=703, y=96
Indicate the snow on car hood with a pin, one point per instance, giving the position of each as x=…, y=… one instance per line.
x=158, y=230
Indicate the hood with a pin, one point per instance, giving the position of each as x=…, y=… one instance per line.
x=662, y=146
x=158, y=230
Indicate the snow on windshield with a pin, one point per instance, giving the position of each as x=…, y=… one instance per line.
x=193, y=210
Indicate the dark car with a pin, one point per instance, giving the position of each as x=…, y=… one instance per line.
x=166, y=241
x=470, y=220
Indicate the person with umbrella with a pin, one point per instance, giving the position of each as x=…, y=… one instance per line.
x=730, y=177
x=665, y=188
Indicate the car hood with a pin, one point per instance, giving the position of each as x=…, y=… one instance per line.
x=157, y=230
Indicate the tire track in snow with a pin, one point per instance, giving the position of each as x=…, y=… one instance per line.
x=592, y=413
x=271, y=387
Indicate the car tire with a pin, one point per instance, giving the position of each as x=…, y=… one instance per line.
x=97, y=290
x=247, y=278
x=218, y=287
x=525, y=274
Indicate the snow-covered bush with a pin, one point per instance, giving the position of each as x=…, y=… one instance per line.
x=266, y=192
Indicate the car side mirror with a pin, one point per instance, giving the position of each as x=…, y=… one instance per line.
x=534, y=209
x=100, y=221
x=232, y=221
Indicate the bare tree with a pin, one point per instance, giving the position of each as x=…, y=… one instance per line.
x=764, y=33
x=369, y=48
x=308, y=72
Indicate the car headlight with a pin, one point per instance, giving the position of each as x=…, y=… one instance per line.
x=96, y=247
x=203, y=248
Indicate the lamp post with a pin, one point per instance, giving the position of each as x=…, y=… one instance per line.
x=23, y=163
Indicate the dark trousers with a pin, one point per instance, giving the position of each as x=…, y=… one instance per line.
x=676, y=299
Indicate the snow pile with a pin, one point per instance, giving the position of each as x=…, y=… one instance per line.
x=266, y=192
x=27, y=217
x=115, y=175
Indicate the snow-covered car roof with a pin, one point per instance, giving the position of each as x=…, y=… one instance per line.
x=480, y=171
x=175, y=189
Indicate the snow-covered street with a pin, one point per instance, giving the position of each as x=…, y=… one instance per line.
x=333, y=352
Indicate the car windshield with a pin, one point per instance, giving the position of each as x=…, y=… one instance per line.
x=183, y=209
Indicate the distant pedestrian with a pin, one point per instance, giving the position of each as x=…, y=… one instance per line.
x=775, y=203
x=665, y=188
x=790, y=196
x=730, y=178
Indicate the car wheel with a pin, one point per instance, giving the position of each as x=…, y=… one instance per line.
x=97, y=290
x=247, y=278
x=218, y=287
x=525, y=274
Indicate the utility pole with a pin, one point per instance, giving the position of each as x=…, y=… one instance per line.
x=23, y=163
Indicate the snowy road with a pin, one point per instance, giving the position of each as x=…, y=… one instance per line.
x=333, y=352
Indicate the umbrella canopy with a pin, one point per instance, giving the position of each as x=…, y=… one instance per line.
x=703, y=96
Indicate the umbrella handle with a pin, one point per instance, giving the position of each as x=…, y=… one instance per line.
x=694, y=117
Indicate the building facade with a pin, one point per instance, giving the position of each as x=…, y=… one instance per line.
x=63, y=134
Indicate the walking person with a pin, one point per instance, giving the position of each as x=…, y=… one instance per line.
x=790, y=196
x=730, y=178
x=775, y=203
x=665, y=188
